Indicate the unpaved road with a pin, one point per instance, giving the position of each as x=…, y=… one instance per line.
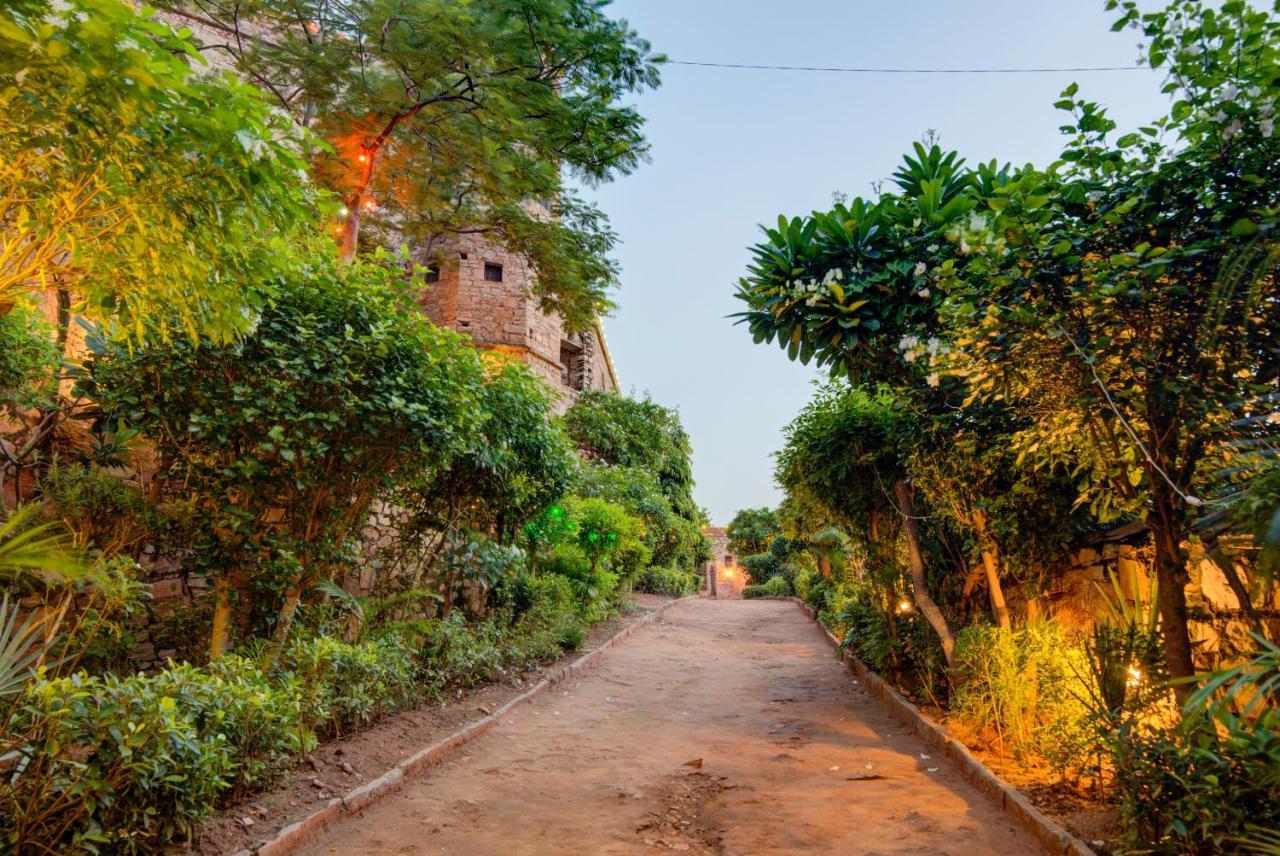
x=795, y=758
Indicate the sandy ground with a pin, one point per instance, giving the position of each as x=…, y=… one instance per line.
x=728, y=727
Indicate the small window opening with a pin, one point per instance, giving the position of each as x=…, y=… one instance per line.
x=433, y=274
x=492, y=272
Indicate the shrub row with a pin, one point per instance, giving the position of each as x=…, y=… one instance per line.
x=670, y=582
x=775, y=587
x=127, y=764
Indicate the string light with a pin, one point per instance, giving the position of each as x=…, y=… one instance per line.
x=342, y=212
x=363, y=158
x=904, y=606
x=1135, y=677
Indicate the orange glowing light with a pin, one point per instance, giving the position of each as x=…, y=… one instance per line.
x=363, y=158
x=904, y=606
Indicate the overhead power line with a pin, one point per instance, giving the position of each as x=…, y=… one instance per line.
x=907, y=70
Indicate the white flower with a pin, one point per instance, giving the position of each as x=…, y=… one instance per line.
x=964, y=247
x=933, y=379
x=908, y=342
x=1267, y=127
x=933, y=344
x=924, y=292
x=1253, y=91
x=1230, y=92
x=1219, y=117
x=1232, y=129
x=920, y=269
x=1266, y=111
x=60, y=7
x=1093, y=195
x=933, y=248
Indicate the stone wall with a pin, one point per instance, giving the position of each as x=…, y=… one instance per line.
x=1219, y=627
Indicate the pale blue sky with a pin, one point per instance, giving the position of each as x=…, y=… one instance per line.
x=735, y=148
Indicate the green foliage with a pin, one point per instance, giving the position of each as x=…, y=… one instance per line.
x=283, y=440
x=670, y=582
x=629, y=432
x=419, y=150
x=1202, y=788
x=1022, y=690
x=516, y=462
x=762, y=568
x=102, y=511
x=775, y=587
x=150, y=188
x=345, y=687
x=109, y=763
x=752, y=530
x=29, y=361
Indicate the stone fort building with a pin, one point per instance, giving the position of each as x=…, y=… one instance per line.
x=483, y=290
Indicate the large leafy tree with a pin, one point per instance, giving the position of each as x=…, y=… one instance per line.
x=752, y=530
x=446, y=118
x=141, y=186
x=1132, y=293
x=282, y=440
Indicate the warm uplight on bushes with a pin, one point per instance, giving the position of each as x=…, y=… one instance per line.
x=904, y=606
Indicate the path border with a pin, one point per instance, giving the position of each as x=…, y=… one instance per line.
x=296, y=835
x=1055, y=840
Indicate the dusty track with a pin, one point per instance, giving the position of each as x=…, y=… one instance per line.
x=794, y=758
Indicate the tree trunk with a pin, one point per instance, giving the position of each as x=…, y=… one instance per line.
x=824, y=565
x=891, y=620
x=284, y=620
x=930, y=610
x=220, y=636
x=991, y=565
x=1172, y=578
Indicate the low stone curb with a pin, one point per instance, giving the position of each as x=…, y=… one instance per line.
x=1055, y=840
x=296, y=835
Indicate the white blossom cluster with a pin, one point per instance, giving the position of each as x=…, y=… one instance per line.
x=812, y=289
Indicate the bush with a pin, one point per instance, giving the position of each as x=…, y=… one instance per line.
x=262, y=719
x=110, y=764
x=1023, y=690
x=344, y=687
x=775, y=587
x=762, y=567
x=803, y=583
x=1199, y=790
x=670, y=582
x=549, y=624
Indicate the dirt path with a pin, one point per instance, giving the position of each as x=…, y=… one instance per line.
x=794, y=758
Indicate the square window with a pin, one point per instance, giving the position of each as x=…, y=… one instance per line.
x=492, y=272
x=433, y=274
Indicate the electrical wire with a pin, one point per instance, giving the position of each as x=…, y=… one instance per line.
x=871, y=70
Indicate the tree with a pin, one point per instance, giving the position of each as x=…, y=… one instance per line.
x=843, y=452
x=283, y=440
x=752, y=530
x=854, y=289
x=1134, y=289
x=516, y=463
x=632, y=432
x=447, y=118
x=131, y=179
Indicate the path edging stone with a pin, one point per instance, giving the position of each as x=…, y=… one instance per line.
x=298, y=834
x=1055, y=840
